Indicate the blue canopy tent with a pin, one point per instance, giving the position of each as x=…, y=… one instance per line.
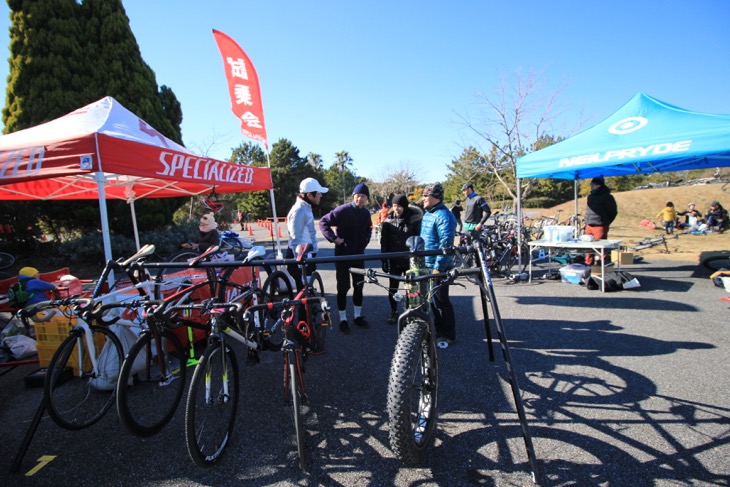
x=643, y=137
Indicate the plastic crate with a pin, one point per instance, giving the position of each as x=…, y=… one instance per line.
x=574, y=273
x=50, y=335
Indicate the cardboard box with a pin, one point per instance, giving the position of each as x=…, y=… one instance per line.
x=574, y=273
x=627, y=258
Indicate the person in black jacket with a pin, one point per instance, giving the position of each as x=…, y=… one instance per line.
x=402, y=223
x=601, y=211
x=456, y=209
x=717, y=217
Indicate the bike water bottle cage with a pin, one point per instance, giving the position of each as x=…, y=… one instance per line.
x=304, y=330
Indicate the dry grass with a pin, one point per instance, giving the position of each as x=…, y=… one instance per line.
x=634, y=206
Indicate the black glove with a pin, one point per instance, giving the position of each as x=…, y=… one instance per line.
x=386, y=266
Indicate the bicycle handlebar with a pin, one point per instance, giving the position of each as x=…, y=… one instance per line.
x=283, y=304
x=77, y=303
x=449, y=275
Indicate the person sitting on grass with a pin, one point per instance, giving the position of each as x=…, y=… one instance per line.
x=717, y=217
x=692, y=218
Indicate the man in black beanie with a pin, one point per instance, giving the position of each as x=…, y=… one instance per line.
x=601, y=211
x=351, y=236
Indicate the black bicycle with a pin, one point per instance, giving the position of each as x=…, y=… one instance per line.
x=153, y=375
x=412, y=402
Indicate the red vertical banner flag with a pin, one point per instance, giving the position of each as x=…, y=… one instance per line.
x=243, y=86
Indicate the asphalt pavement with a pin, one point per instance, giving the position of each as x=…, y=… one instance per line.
x=629, y=388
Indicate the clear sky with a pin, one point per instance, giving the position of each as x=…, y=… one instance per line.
x=387, y=81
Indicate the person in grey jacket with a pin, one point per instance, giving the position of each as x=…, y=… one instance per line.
x=438, y=229
x=352, y=234
x=601, y=211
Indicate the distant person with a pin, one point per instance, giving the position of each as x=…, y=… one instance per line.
x=717, y=217
x=37, y=289
x=403, y=222
x=477, y=210
x=349, y=227
x=456, y=209
x=668, y=216
x=601, y=211
x=383, y=213
x=692, y=218
x=300, y=225
x=438, y=230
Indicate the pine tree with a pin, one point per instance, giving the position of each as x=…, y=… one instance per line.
x=48, y=72
x=65, y=54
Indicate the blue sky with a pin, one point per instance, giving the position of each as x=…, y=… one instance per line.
x=388, y=80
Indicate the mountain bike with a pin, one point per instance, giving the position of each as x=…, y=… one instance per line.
x=413, y=381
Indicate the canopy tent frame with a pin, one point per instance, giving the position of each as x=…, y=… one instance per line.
x=103, y=151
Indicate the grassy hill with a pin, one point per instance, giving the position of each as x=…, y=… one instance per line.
x=634, y=206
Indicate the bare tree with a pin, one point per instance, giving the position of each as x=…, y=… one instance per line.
x=402, y=180
x=510, y=124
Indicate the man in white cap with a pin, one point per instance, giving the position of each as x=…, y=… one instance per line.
x=300, y=224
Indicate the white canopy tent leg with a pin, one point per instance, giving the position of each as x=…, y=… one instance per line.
x=105, y=232
x=130, y=200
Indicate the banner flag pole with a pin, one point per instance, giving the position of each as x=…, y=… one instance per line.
x=246, y=104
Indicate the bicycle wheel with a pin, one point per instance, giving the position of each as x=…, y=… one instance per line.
x=212, y=403
x=277, y=287
x=320, y=321
x=6, y=260
x=293, y=376
x=151, y=383
x=80, y=400
x=717, y=262
x=184, y=257
x=412, y=393
x=232, y=246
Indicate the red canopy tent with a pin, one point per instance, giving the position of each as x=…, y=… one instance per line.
x=104, y=151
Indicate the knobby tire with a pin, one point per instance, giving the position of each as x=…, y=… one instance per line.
x=412, y=393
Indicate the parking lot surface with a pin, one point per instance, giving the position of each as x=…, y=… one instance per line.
x=628, y=388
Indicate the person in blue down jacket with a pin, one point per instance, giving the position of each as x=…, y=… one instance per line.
x=351, y=236
x=438, y=229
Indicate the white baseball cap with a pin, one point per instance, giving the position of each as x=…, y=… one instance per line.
x=310, y=185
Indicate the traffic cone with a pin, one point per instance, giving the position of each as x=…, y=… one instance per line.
x=250, y=230
x=280, y=235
